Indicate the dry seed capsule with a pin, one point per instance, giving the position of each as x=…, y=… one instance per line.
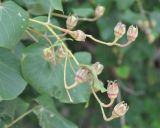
x=99, y=11
x=78, y=35
x=120, y=109
x=71, y=22
x=112, y=89
x=61, y=53
x=49, y=55
x=81, y=75
x=119, y=30
x=98, y=67
x=132, y=33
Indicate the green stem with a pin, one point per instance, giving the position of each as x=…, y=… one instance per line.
x=139, y=3
x=104, y=115
x=100, y=102
x=79, y=18
x=103, y=42
x=64, y=78
x=19, y=118
x=54, y=34
x=114, y=43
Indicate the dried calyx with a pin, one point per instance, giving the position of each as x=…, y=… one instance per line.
x=82, y=75
x=99, y=11
x=78, y=35
x=61, y=52
x=119, y=30
x=132, y=33
x=71, y=22
x=120, y=110
x=49, y=55
x=97, y=67
x=112, y=89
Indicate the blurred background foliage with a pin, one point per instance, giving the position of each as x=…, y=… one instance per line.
x=137, y=67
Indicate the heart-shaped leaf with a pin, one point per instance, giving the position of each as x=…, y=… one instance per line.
x=11, y=82
x=48, y=115
x=43, y=6
x=13, y=22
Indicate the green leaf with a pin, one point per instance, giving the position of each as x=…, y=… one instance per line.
x=84, y=12
x=57, y=4
x=11, y=82
x=131, y=17
x=81, y=55
x=122, y=72
x=40, y=7
x=18, y=107
x=48, y=79
x=124, y=4
x=48, y=115
x=13, y=22
x=18, y=50
x=155, y=16
x=100, y=86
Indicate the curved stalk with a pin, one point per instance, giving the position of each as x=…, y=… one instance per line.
x=65, y=81
x=88, y=19
x=104, y=115
x=19, y=118
x=100, y=102
x=74, y=58
x=40, y=34
x=73, y=70
x=103, y=42
x=79, y=18
x=114, y=43
x=123, y=45
x=32, y=36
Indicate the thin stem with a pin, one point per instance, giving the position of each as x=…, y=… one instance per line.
x=40, y=34
x=65, y=82
x=114, y=43
x=19, y=118
x=79, y=18
x=66, y=31
x=104, y=115
x=139, y=3
x=32, y=36
x=123, y=45
x=88, y=19
x=71, y=86
x=58, y=38
x=122, y=119
x=74, y=72
x=60, y=15
x=100, y=102
x=103, y=42
x=74, y=58
x=49, y=15
x=62, y=35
